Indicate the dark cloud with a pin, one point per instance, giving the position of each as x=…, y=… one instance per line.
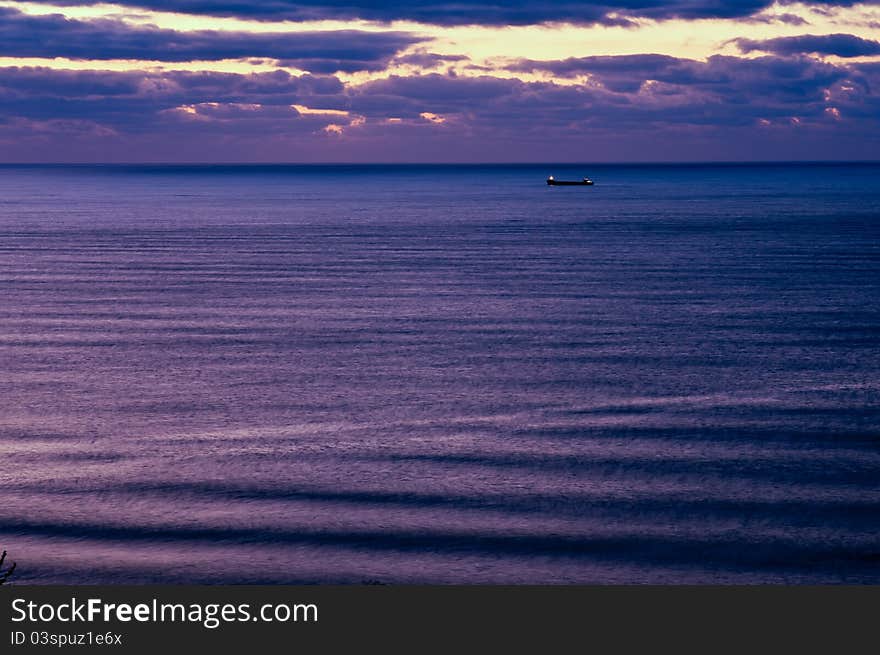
x=136, y=100
x=787, y=19
x=629, y=100
x=23, y=35
x=424, y=59
x=727, y=78
x=620, y=73
x=842, y=45
x=626, y=89
x=452, y=12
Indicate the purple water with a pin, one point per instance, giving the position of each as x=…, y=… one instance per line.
x=440, y=374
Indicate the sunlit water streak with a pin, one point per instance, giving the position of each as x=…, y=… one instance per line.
x=440, y=374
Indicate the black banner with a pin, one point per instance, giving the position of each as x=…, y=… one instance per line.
x=414, y=619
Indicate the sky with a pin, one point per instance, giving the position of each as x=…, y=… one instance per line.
x=438, y=81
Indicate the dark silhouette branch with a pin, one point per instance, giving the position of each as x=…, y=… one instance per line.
x=5, y=575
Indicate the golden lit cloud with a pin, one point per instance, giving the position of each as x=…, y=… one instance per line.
x=695, y=39
x=322, y=112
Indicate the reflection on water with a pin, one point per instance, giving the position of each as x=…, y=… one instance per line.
x=440, y=374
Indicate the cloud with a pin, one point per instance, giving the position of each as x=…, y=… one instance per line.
x=728, y=79
x=425, y=60
x=616, y=91
x=447, y=12
x=658, y=103
x=633, y=92
x=23, y=35
x=139, y=100
x=842, y=45
x=786, y=19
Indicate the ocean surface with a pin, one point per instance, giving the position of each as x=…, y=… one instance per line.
x=440, y=374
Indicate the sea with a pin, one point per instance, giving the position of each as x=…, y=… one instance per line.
x=412, y=374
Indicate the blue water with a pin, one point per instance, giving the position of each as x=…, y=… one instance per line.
x=440, y=374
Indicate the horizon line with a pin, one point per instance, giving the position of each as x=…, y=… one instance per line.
x=694, y=162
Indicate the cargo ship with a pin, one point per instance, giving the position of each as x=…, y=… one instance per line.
x=552, y=181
